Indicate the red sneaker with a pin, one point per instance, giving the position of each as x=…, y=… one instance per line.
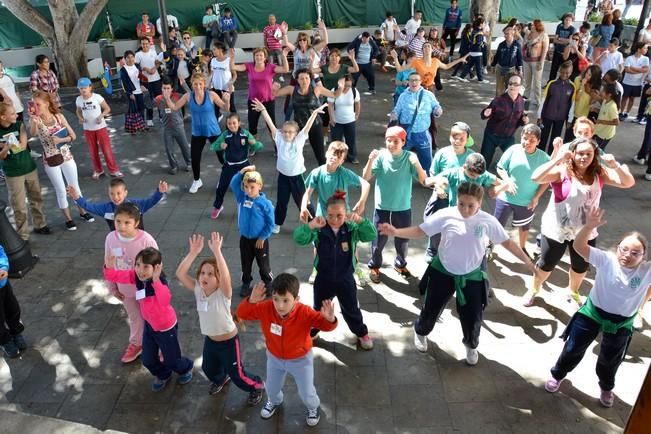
x=131, y=353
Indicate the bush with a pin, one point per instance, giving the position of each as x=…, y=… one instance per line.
x=630, y=21
x=594, y=18
x=340, y=23
x=192, y=30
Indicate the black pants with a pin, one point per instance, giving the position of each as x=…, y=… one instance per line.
x=248, y=253
x=224, y=358
x=452, y=33
x=470, y=63
x=10, y=324
x=168, y=344
x=347, y=132
x=254, y=116
x=289, y=185
x=579, y=335
x=644, y=100
x=399, y=219
x=440, y=288
x=369, y=74
x=155, y=88
x=550, y=130
x=315, y=135
x=197, y=144
x=345, y=289
x=645, y=149
x=557, y=60
x=435, y=240
x=231, y=104
x=228, y=172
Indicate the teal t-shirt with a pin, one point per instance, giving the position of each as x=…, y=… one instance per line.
x=458, y=176
x=446, y=158
x=393, y=181
x=520, y=165
x=327, y=183
x=207, y=19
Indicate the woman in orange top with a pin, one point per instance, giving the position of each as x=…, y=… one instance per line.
x=428, y=66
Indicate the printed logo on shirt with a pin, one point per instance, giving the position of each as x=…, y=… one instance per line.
x=344, y=246
x=243, y=142
x=479, y=231
x=635, y=282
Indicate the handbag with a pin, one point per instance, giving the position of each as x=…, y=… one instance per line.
x=133, y=120
x=54, y=160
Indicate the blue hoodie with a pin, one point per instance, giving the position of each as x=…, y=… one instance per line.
x=106, y=210
x=255, y=216
x=4, y=265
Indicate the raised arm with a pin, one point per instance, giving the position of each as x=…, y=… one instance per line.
x=550, y=171
x=354, y=67
x=221, y=102
x=175, y=106
x=283, y=68
x=593, y=219
x=182, y=271
x=323, y=30
x=367, y=173
x=258, y=106
x=615, y=174
x=310, y=121
x=283, y=91
x=447, y=66
x=235, y=68
x=215, y=245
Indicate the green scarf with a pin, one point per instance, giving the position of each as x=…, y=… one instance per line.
x=588, y=309
x=477, y=275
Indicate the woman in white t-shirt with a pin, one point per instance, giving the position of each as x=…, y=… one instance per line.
x=8, y=92
x=343, y=114
x=636, y=66
x=458, y=264
x=622, y=285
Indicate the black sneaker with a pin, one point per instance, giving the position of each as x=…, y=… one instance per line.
x=313, y=416
x=86, y=216
x=43, y=231
x=173, y=170
x=71, y=226
x=269, y=410
x=10, y=349
x=19, y=341
x=216, y=388
x=255, y=398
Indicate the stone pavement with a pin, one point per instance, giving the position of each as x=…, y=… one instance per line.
x=77, y=331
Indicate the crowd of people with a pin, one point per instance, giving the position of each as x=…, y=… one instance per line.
x=578, y=111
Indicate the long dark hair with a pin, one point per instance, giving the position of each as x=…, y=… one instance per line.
x=593, y=169
x=611, y=89
x=595, y=76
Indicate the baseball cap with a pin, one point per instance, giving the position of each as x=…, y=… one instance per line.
x=396, y=131
x=84, y=82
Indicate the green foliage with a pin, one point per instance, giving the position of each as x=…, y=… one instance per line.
x=106, y=34
x=594, y=18
x=630, y=21
x=506, y=20
x=340, y=23
x=192, y=30
x=307, y=26
x=253, y=30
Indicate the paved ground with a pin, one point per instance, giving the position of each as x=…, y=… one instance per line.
x=77, y=332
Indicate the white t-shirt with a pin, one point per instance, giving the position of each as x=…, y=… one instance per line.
x=148, y=60
x=221, y=73
x=182, y=70
x=618, y=290
x=214, y=311
x=345, y=106
x=611, y=61
x=290, y=160
x=91, y=108
x=462, y=246
x=133, y=73
x=172, y=21
x=9, y=88
x=635, y=79
x=412, y=26
x=388, y=27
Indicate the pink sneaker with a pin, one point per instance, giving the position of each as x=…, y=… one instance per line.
x=607, y=398
x=366, y=342
x=215, y=212
x=131, y=353
x=552, y=385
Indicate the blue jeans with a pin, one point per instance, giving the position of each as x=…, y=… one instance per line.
x=302, y=369
x=421, y=144
x=168, y=343
x=492, y=141
x=580, y=333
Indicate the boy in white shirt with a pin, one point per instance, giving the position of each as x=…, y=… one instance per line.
x=91, y=111
x=611, y=58
x=636, y=67
x=414, y=23
x=389, y=28
x=149, y=62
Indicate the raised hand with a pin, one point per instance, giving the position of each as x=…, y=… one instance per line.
x=354, y=217
x=257, y=105
x=328, y=310
x=162, y=186
x=158, y=269
x=317, y=223
x=215, y=242
x=594, y=217
x=305, y=215
x=196, y=244
x=351, y=54
x=321, y=108
x=258, y=293
x=610, y=161
x=372, y=156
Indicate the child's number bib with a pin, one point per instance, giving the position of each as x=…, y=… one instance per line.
x=276, y=329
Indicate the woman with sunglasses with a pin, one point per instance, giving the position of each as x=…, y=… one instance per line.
x=577, y=178
x=622, y=285
x=575, y=52
x=187, y=45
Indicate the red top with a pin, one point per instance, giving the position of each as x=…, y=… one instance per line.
x=289, y=337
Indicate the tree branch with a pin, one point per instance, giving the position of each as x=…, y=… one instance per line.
x=30, y=17
x=87, y=17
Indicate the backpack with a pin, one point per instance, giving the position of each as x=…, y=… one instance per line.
x=477, y=40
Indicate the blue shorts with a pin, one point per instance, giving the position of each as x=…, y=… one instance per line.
x=522, y=216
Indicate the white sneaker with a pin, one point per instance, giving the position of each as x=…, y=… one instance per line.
x=276, y=229
x=639, y=161
x=196, y=185
x=150, y=123
x=420, y=342
x=472, y=356
x=484, y=81
x=643, y=121
x=647, y=176
x=464, y=80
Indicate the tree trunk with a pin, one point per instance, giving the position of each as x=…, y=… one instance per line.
x=490, y=9
x=66, y=34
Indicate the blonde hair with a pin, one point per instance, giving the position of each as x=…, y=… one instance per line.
x=198, y=76
x=339, y=148
x=46, y=96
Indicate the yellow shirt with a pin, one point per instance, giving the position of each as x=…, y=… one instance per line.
x=582, y=102
x=607, y=112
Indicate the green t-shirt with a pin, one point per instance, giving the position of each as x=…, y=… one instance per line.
x=327, y=183
x=458, y=176
x=330, y=80
x=446, y=158
x=393, y=181
x=19, y=162
x=520, y=165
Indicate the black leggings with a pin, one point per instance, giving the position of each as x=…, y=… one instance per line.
x=254, y=116
x=316, y=141
x=551, y=253
x=196, y=148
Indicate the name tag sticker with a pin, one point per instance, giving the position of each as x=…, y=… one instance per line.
x=109, y=216
x=202, y=306
x=276, y=329
x=168, y=110
x=140, y=294
x=247, y=204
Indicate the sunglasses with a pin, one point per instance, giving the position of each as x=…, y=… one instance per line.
x=186, y=37
x=514, y=83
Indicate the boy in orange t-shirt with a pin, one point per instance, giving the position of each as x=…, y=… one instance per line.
x=286, y=326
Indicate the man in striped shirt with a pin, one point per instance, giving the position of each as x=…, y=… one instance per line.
x=272, y=35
